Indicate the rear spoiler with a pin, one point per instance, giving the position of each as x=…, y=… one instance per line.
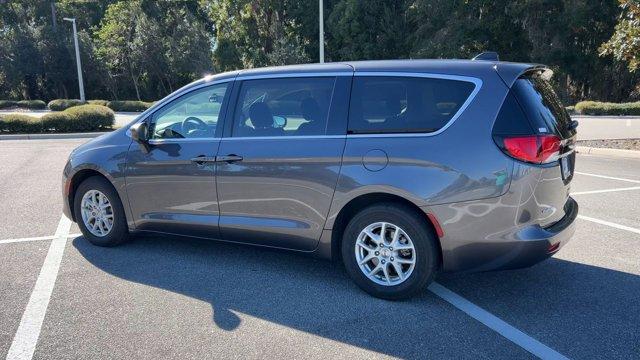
x=509, y=72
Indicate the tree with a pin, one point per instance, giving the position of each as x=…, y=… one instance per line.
x=367, y=29
x=259, y=33
x=624, y=44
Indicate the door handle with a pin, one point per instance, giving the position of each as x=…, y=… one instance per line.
x=229, y=158
x=201, y=160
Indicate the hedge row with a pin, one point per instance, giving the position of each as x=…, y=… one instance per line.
x=127, y=105
x=604, y=108
x=63, y=104
x=25, y=104
x=76, y=119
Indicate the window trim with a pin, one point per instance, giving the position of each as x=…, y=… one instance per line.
x=477, y=85
x=148, y=114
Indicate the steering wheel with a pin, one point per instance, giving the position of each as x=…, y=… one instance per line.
x=192, y=123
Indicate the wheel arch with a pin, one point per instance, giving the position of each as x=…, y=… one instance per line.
x=76, y=180
x=360, y=202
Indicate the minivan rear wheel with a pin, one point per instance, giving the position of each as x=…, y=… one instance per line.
x=389, y=251
x=99, y=212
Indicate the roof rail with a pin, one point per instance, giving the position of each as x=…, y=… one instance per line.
x=487, y=55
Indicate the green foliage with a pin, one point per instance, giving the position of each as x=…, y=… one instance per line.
x=605, y=108
x=13, y=123
x=80, y=118
x=143, y=49
x=4, y=104
x=263, y=32
x=624, y=44
x=129, y=105
x=151, y=48
x=98, y=102
x=31, y=104
x=368, y=30
x=75, y=119
x=63, y=104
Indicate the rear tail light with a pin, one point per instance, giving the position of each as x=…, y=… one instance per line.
x=553, y=248
x=538, y=149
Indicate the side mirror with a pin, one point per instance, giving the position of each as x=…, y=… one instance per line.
x=140, y=132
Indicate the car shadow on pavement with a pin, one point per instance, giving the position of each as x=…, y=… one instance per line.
x=571, y=307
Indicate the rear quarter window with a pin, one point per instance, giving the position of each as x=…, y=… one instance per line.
x=542, y=106
x=404, y=104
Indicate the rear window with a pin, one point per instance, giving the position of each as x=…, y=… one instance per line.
x=404, y=104
x=542, y=106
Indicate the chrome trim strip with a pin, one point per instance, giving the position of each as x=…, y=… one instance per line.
x=180, y=140
x=477, y=82
x=294, y=75
x=285, y=137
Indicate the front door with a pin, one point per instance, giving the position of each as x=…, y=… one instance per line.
x=171, y=183
x=283, y=158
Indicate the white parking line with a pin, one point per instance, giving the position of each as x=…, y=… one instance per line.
x=608, y=177
x=25, y=339
x=608, y=223
x=37, y=238
x=605, y=190
x=496, y=324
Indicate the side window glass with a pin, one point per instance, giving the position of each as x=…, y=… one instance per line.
x=283, y=107
x=404, y=104
x=194, y=115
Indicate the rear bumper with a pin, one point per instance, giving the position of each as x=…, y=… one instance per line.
x=526, y=247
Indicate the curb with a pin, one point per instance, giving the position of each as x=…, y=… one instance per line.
x=608, y=151
x=51, y=136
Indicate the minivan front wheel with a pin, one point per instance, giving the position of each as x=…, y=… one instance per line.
x=99, y=212
x=389, y=251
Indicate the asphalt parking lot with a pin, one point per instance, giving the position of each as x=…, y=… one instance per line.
x=160, y=297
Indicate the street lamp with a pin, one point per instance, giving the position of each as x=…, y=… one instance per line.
x=321, y=19
x=78, y=64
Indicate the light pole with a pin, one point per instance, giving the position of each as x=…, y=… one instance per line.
x=321, y=31
x=78, y=64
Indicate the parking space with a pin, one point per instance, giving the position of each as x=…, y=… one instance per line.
x=30, y=185
x=159, y=297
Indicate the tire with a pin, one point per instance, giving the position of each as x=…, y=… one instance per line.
x=119, y=232
x=413, y=230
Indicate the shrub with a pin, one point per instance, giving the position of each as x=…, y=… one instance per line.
x=63, y=104
x=7, y=104
x=13, y=123
x=98, y=102
x=91, y=117
x=571, y=109
x=129, y=105
x=31, y=104
x=604, y=108
x=74, y=119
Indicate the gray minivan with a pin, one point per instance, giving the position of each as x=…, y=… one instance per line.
x=399, y=168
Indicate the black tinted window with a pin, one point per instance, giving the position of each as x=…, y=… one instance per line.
x=404, y=104
x=283, y=107
x=542, y=106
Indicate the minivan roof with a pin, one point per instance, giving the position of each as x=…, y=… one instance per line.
x=508, y=71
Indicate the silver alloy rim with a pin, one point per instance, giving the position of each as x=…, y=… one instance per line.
x=385, y=254
x=97, y=213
